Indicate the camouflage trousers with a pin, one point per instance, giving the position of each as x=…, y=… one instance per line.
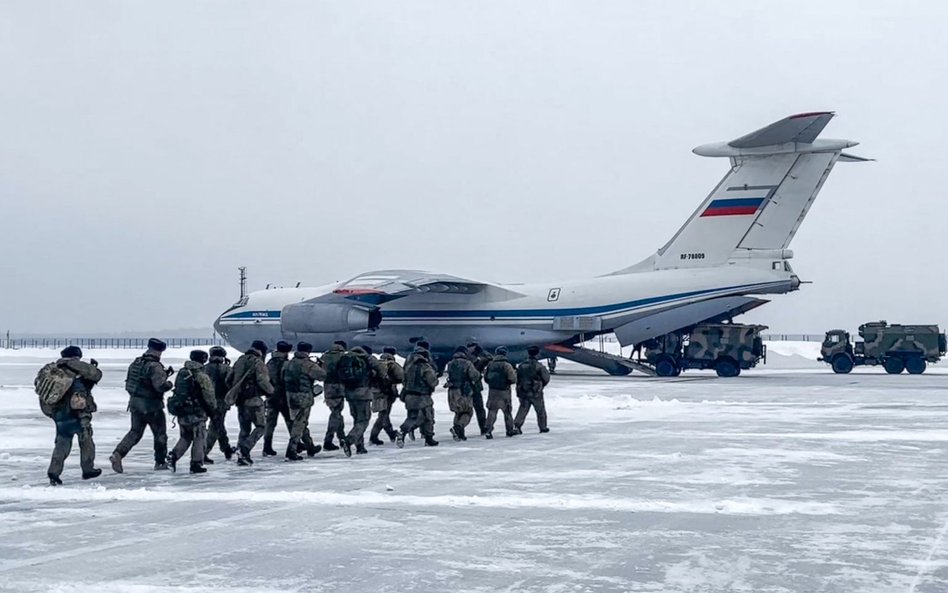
x=337, y=424
x=477, y=401
x=420, y=418
x=299, y=429
x=538, y=405
x=193, y=435
x=252, y=422
x=361, y=412
x=383, y=421
x=217, y=431
x=276, y=409
x=499, y=401
x=159, y=430
x=462, y=406
x=82, y=428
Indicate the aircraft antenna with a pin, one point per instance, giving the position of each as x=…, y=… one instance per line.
x=243, y=281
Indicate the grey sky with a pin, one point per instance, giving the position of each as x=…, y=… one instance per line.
x=148, y=149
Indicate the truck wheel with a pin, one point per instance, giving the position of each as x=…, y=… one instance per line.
x=725, y=367
x=915, y=365
x=893, y=365
x=666, y=367
x=842, y=364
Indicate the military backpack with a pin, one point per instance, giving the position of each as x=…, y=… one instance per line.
x=52, y=383
x=352, y=369
x=497, y=376
x=457, y=377
x=530, y=381
x=293, y=372
x=182, y=402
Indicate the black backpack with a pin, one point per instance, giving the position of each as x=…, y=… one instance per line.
x=352, y=369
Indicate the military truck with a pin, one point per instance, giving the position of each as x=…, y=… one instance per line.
x=896, y=347
x=728, y=348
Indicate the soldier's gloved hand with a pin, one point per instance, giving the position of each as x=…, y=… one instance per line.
x=94, y=362
x=169, y=370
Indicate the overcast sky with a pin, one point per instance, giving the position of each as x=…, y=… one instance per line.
x=149, y=148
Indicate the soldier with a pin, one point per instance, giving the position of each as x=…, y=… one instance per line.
x=358, y=393
x=249, y=381
x=500, y=376
x=192, y=402
x=480, y=358
x=217, y=370
x=532, y=377
x=146, y=384
x=462, y=378
x=276, y=403
x=299, y=375
x=334, y=396
x=384, y=398
x=73, y=414
x=420, y=383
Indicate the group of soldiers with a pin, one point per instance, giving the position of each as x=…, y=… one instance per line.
x=286, y=386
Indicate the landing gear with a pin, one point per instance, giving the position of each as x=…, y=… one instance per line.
x=915, y=365
x=894, y=365
x=842, y=364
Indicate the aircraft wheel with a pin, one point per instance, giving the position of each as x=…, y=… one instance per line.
x=666, y=367
x=726, y=367
x=894, y=365
x=842, y=364
x=915, y=365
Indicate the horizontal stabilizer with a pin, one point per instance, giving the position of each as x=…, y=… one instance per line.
x=802, y=128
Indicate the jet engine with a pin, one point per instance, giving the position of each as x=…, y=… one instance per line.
x=327, y=318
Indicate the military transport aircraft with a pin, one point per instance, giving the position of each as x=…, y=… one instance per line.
x=732, y=250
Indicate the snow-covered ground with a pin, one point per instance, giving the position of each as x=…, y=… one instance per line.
x=788, y=478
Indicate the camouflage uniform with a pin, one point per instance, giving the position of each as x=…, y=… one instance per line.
x=334, y=396
x=146, y=383
x=217, y=369
x=532, y=377
x=383, y=398
x=480, y=358
x=299, y=375
x=194, y=387
x=420, y=383
x=359, y=398
x=250, y=407
x=70, y=422
x=463, y=378
x=500, y=376
x=276, y=404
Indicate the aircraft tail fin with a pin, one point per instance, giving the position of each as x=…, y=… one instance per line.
x=776, y=173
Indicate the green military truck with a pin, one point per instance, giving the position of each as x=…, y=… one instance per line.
x=728, y=348
x=896, y=347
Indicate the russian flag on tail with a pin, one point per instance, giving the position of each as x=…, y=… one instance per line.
x=733, y=207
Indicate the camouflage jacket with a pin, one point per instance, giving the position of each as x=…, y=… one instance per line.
x=256, y=379
x=362, y=391
x=329, y=361
x=500, y=374
x=195, y=389
x=147, y=382
x=532, y=377
x=278, y=360
x=394, y=375
x=420, y=377
x=217, y=370
x=299, y=375
x=87, y=376
x=462, y=375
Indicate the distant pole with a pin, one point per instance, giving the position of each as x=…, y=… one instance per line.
x=243, y=281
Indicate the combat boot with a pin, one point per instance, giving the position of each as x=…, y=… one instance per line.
x=488, y=434
x=172, y=462
x=376, y=441
x=161, y=466
x=243, y=458
x=361, y=450
x=411, y=435
x=292, y=455
x=268, y=450
x=197, y=468
x=93, y=473
x=208, y=460
x=392, y=434
x=400, y=439
x=461, y=433
x=313, y=450
x=116, y=460
x=54, y=480
x=430, y=442
x=544, y=430
x=517, y=430
x=330, y=446
x=346, y=447
x=455, y=434
x=229, y=452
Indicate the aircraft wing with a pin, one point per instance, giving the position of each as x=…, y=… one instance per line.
x=376, y=288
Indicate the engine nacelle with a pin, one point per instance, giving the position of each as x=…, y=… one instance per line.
x=327, y=318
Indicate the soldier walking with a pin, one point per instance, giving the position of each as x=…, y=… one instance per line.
x=299, y=376
x=72, y=413
x=462, y=378
x=355, y=369
x=385, y=394
x=334, y=395
x=532, y=377
x=420, y=383
x=276, y=404
x=146, y=383
x=500, y=376
x=192, y=402
x=217, y=369
x=248, y=381
x=480, y=358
